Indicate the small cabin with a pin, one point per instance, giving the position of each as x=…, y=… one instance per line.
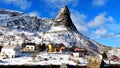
x=11, y=50
x=29, y=47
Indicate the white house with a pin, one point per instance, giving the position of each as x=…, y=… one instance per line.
x=76, y=54
x=30, y=47
x=11, y=51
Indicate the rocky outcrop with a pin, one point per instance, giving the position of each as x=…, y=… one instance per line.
x=63, y=18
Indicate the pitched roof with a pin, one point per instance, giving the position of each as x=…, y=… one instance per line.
x=9, y=47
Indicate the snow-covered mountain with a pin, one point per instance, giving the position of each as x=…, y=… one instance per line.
x=17, y=27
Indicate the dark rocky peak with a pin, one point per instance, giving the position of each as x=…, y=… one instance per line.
x=63, y=13
x=63, y=18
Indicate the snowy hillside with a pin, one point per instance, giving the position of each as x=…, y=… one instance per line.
x=114, y=51
x=17, y=27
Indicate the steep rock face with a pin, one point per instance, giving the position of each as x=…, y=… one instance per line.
x=25, y=28
x=63, y=18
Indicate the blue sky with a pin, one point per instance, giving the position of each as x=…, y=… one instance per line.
x=96, y=19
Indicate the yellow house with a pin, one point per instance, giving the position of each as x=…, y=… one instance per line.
x=53, y=48
x=49, y=48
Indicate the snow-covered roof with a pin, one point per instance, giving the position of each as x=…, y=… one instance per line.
x=9, y=47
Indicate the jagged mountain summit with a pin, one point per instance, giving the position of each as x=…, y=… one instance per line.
x=63, y=18
x=17, y=27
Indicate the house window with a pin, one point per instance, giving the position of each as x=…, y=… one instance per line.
x=31, y=47
x=28, y=47
x=3, y=52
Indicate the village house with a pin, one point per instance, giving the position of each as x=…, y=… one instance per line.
x=29, y=47
x=53, y=48
x=11, y=51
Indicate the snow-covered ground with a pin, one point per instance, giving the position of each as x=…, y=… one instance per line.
x=41, y=59
x=45, y=58
x=111, y=62
x=114, y=51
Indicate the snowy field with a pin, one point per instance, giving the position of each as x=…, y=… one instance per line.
x=41, y=59
x=46, y=59
x=111, y=62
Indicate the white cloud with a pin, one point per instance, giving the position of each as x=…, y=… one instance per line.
x=100, y=20
x=79, y=20
x=113, y=36
x=60, y=3
x=34, y=13
x=22, y=4
x=114, y=27
x=102, y=33
x=118, y=36
x=81, y=28
x=99, y=2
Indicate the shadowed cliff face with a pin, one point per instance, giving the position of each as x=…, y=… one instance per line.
x=63, y=18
